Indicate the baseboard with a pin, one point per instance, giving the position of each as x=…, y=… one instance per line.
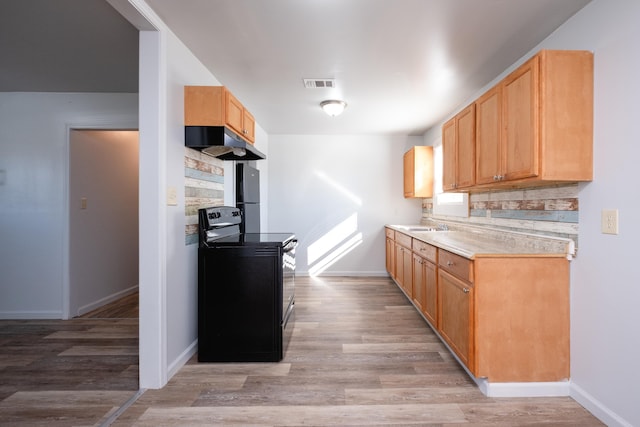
x=344, y=273
x=106, y=300
x=30, y=315
x=525, y=389
x=183, y=358
x=597, y=408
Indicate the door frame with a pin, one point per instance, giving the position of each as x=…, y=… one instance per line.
x=127, y=125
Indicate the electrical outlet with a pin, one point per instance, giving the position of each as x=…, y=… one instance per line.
x=610, y=221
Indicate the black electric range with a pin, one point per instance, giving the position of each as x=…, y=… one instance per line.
x=246, y=290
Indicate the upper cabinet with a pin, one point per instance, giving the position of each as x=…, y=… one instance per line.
x=216, y=106
x=418, y=172
x=535, y=127
x=458, y=148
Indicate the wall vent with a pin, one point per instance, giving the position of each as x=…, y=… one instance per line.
x=319, y=83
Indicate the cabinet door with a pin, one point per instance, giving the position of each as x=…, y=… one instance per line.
x=409, y=160
x=488, y=136
x=399, y=270
x=431, y=293
x=407, y=275
x=521, y=118
x=455, y=315
x=390, y=257
x=204, y=105
x=419, y=285
x=449, y=155
x=234, y=113
x=466, y=147
x=248, y=126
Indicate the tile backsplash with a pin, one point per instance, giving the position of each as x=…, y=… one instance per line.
x=203, y=187
x=549, y=211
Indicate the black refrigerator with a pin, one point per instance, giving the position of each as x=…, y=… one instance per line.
x=248, y=197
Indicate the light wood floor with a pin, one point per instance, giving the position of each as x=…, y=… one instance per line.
x=360, y=356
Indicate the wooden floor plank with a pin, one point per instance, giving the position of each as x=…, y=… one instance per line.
x=326, y=415
x=360, y=356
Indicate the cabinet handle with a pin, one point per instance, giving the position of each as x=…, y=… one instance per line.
x=449, y=263
x=465, y=290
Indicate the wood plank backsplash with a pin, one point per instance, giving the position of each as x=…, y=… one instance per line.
x=203, y=187
x=549, y=210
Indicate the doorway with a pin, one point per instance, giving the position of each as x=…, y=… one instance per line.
x=103, y=217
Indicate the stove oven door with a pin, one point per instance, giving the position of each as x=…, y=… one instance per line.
x=288, y=288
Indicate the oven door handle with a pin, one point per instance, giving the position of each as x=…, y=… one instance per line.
x=291, y=245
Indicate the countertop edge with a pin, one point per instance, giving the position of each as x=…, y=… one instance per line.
x=467, y=244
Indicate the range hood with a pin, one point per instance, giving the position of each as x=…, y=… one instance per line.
x=220, y=142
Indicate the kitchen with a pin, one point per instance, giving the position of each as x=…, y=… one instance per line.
x=603, y=318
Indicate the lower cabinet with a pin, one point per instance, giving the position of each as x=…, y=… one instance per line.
x=419, y=283
x=425, y=280
x=389, y=252
x=403, y=262
x=455, y=315
x=407, y=271
x=505, y=317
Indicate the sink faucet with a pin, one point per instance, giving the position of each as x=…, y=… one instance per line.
x=443, y=227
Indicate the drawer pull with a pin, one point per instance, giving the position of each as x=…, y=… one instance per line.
x=449, y=263
x=465, y=290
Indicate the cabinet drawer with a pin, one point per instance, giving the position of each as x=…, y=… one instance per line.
x=425, y=250
x=456, y=265
x=403, y=239
x=390, y=233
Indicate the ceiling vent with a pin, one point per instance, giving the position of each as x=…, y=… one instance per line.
x=319, y=83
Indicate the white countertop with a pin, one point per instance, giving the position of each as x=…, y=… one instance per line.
x=473, y=242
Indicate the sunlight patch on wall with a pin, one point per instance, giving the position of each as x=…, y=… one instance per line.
x=333, y=245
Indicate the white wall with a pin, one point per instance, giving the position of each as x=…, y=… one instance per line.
x=605, y=291
x=181, y=260
x=33, y=157
x=605, y=282
x=168, y=267
x=103, y=217
x=336, y=193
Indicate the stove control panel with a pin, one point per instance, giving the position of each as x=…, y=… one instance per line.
x=219, y=216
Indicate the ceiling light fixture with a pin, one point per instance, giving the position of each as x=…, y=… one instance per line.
x=333, y=107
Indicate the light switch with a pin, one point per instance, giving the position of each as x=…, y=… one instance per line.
x=610, y=221
x=83, y=203
x=172, y=196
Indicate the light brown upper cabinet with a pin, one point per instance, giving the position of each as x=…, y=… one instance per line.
x=535, y=127
x=216, y=106
x=418, y=172
x=458, y=150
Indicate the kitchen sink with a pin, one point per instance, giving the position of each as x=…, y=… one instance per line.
x=422, y=228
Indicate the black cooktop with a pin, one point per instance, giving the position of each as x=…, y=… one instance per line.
x=254, y=239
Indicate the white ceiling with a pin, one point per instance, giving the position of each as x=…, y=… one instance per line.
x=401, y=65
x=66, y=46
